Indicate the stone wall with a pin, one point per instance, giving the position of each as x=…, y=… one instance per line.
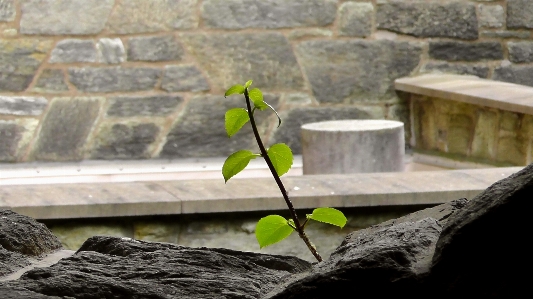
x=138, y=79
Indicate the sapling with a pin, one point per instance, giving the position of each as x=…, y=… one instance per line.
x=273, y=228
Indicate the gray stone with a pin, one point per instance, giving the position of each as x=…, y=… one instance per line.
x=355, y=19
x=520, y=51
x=479, y=70
x=515, y=74
x=19, y=60
x=460, y=51
x=290, y=130
x=519, y=14
x=268, y=57
x=183, y=78
x=7, y=11
x=154, y=48
x=10, y=136
x=452, y=19
x=94, y=79
x=506, y=34
x=22, y=105
x=66, y=17
x=297, y=34
x=74, y=50
x=127, y=106
x=492, y=16
x=240, y=14
x=111, y=50
x=51, y=80
x=65, y=128
x=139, y=16
x=356, y=70
x=200, y=131
x=125, y=141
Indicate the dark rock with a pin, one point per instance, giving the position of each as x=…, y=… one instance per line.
x=126, y=106
x=74, y=50
x=94, y=79
x=454, y=19
x=481, y=71
x=123, y=141
x=515, y=74
x=520, y=51
x=11, y=261
x=154, y=48
x=8, y=292
x=183, y=78
x=22, y=105
x=460, y=51
x=51, y=80
x=519, y=14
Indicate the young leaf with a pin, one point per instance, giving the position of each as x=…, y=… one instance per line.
x=257, y=97
x=234, y=89
x=235, y=119
x=248, y=83
x=236, y=162
x=281, y=156
x=328, y=215
x=272, y=229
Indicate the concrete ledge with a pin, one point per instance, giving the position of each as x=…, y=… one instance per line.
x=88, y=200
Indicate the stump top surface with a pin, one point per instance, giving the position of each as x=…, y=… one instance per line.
x=353, y=125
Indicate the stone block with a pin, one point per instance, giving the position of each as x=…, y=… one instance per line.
x=492, y=16
x=19, y=60
x=520, y=51
x=268, y=58
x=112, y=79
x=485, y=135
x=506, y=34
x=154, y=48
x=343, y=71
x=511, y=150
x=65, y=128
x=460, y=131
x=515, y=74
x=449, y=19
x=64, y=17
x=124, y=141
x=424, y=123
x=510, y=121
x=479, y=70
x=7, y=10
x=22, y=105
x=460, y=51
x=141, y=16
x=519, y=14
x=72, y=235
x=156, y=231
x=128, y=106
x=74, y=50
x=51, y=80
x=183, y=78
x=15, y=135
x=271, y=14
x=355, y=19
x=111, y=50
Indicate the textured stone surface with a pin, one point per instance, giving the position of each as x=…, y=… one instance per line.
x=111, y=50
x=74, y=50
x=7, y=10
x=459, y=51
x=65, y=128
x=240, y=14
x=127, y=106
x=449, y=19
x=66, y=17
x=125, y=141
x=14, y=137
x=355, y=19
x=485, y=135
x=269, y=59
x=183, y=78
x=297, y=34
x=460, y=130
x=492, y=16
x=479, y=70
x=51, y=80
x=156, y=232
x=19, y=59
x=138, y=16
x=356, y=70
x=520, y=51
x=22, y=105
x=154, y=48
x=94, y=79
x=506, y=34
x=519, y=14
x=514, y=74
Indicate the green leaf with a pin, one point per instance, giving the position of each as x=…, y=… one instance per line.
x=257, y=97
x=281, y=156
x=272, y=229
x=248, y=83
x=234, y=89
x=329, y=215
x=236, y=162
x=235, y=119
x=279, y=118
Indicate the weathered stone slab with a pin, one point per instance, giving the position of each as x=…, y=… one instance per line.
x=95, y=79
x=154, y=48
x=14, y=137
x=7, y=10
x=22, y=105
x=65, y=128
x=519, y=14
x=506, y=34
x=223, y=57
x=74, y=50
x=66, y=17
x=356, y=70
x=450, y=19
x=240, y=14
x=492, y=16
x=111, y=50
x=485, y=135
x=127, y=106
x=19, y=59
x=515, y=74
x=51, y=80
x=520, y=51
x=460, y=51
x=139, y=16
x=481, y=71
x=183, y=78
x=355, y=19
